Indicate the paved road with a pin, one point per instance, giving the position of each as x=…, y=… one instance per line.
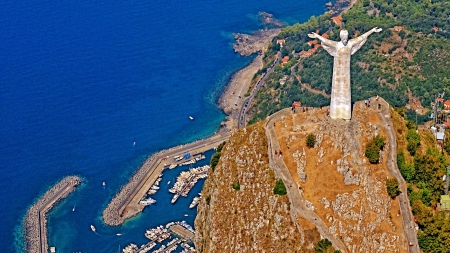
x=241, y=116
x=405, y=209
x=298, y=208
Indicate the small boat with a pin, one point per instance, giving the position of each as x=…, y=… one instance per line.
x=194, y=202
x=134, y=144
x=73, y=209
x=175, y=197
x=168, y=182
x=172, y=166
x=92, y=228
x=191, y=118
x=147, y=202
x=186, y=215
x=119, y=234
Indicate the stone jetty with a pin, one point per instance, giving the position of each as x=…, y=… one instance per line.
x=35, y=220
x=126, y=202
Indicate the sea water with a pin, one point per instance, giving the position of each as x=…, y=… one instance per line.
x=82, y=81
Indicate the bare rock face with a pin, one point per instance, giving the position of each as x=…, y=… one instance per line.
x=248, y=44
x=269, y=20
x=252, y=219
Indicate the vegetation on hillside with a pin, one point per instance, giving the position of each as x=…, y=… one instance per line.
x=216, y=156
x=396, y=64
x=373, y=149
x=310, y=140
x=392, y=187
x=424, y=172
x=279, y=188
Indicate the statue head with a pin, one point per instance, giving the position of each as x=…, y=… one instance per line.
x=344, y=37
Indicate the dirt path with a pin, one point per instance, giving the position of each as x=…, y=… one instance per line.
x=298, y=207
x=405, y=209
x=312, y=90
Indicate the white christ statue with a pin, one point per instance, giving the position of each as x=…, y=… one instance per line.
x=340, y=107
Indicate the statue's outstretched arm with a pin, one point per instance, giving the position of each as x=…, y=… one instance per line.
x=360, y=40
x=328, y=45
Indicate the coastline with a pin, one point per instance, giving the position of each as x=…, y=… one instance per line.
x=35, y=222
x=237, y=86
x=124, y=204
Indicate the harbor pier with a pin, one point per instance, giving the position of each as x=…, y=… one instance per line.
x=35, y=220
x=126, y=202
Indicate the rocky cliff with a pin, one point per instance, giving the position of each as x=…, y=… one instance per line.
x=345, y=194
x=253, y=218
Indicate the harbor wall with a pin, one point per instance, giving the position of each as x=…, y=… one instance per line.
x=35, y=220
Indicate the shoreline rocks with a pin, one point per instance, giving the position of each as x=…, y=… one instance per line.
x=35, y=221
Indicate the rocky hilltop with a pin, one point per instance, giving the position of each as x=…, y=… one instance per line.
x=341, y=196
x=253, y=218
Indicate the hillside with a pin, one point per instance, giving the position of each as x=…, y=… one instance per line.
x=253, y=218
x=407, y=63
x=337, y=181
x=340, y=195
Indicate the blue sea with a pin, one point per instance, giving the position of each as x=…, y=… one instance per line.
x=81, y=81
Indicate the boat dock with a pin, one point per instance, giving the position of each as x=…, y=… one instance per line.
x=36, y=220
x=126, y=203
x=183, y=232
x=162, y=233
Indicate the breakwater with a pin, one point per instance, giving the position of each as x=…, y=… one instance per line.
x=126, y=202
x=35, y=220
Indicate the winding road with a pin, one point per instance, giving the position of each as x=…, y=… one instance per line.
x=383, y=108
x=248, y=101
x=298, y=207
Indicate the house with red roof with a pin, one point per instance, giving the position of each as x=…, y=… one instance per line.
x=296, y=104
x=447, y=105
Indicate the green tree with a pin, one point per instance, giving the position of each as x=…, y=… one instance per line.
x=324, y=246
x=373, y=149
x=413, y=139
x=392, y=187
x=279, y=188
x=310, y=140
x=236, y=185
x=216, y=156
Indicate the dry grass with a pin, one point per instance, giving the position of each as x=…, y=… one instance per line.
x=252, y=219
x=323, y=179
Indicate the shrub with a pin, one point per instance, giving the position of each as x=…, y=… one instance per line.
x=373, y=149
x=413, y=139
x=323, y=246
x=236, y=185
x=310, y=140
x=392, y=187
x=279, y=188
x=216, y=156
x=215, y=160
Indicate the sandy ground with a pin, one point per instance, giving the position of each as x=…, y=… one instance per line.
x=233, y=96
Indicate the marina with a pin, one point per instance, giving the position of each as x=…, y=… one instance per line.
x=180, y=233
x=126, y=202
x=186, y=180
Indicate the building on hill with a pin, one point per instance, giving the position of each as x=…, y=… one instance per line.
x=284, y=60
x=398, y=28
x=447, y=105
x=281, y=42
x=337, y=20
x=296, y=104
